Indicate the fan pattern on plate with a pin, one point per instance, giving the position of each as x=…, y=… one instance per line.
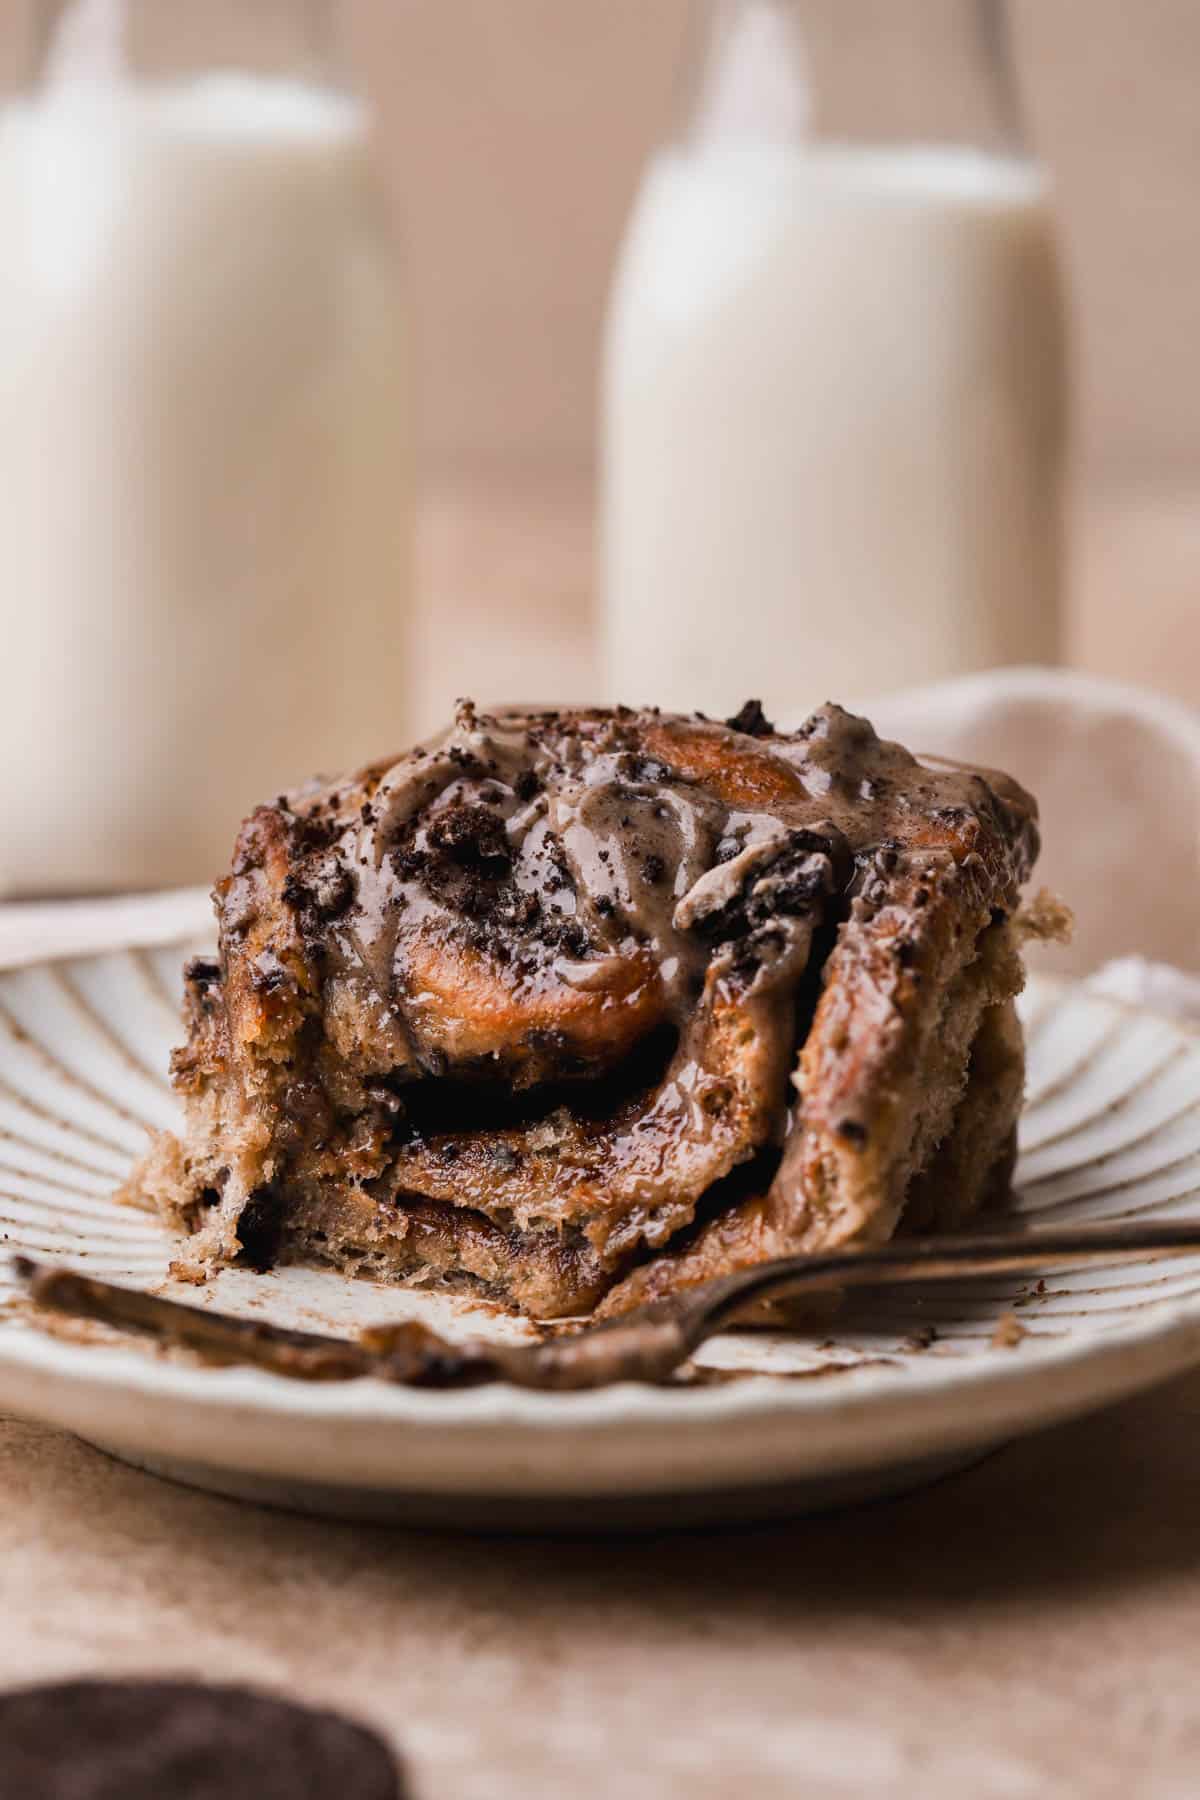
x=1111, y=1130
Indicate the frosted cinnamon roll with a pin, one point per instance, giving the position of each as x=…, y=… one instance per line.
x=570, y=1008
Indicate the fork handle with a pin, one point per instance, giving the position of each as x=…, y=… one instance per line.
x=911, y=1262
x=651, y=1342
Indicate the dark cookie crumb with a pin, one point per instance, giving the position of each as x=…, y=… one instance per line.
x=751, y=721
x=202, y=971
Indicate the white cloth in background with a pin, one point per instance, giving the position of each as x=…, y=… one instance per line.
x=1116, y=772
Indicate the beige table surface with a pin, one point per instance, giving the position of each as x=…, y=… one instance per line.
x=1028, y=1628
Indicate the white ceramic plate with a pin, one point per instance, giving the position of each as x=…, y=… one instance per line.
x=1111, y=1129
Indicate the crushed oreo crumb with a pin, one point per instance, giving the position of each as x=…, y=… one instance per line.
x=751, y=721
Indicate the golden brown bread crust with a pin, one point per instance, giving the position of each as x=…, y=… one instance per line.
x=573, y=1008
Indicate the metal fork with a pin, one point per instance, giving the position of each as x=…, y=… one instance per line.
x=648, y=1344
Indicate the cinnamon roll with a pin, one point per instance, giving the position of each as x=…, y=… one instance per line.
x=570, y=1008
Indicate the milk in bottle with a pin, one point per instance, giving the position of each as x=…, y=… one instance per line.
x=204, y=502
x=833, y=407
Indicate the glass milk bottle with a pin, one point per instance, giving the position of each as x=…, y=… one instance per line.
x=204, y=484
x=834, y=387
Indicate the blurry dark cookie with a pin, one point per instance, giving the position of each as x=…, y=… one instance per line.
x=165, y=1740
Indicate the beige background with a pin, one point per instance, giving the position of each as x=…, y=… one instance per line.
x=512, y=133
x=514, y=130
x=512, y=136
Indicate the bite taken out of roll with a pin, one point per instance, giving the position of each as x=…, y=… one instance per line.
x=570, y=1009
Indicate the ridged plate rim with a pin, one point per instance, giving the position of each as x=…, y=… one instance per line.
x=625, y=1438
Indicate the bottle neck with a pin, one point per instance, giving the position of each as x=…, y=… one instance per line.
x=874, y=72
x=288, y=39
x=749, y=78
